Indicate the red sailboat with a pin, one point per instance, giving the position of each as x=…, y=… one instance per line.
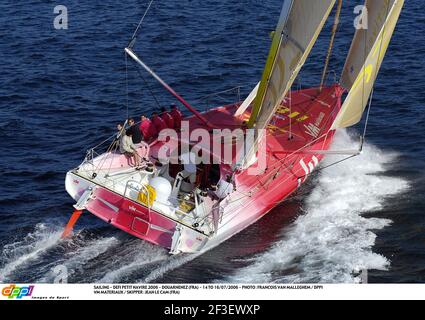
x=225, y=168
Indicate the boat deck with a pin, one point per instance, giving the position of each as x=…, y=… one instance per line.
x=306, y=117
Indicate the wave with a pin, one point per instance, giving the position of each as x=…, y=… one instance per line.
x=139, y=258
x=74, y=262
x=20, y=253
x=329, y=243
x=171, y=264
x=332, y=241
x=88, y=256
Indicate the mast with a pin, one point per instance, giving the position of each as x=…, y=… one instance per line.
x=299, y=26
x=278, y=36
x=169, y=89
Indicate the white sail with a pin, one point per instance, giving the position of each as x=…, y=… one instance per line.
x=365, y=58
x=300, y=24
x=248, y=101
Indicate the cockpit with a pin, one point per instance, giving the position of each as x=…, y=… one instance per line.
x=184, y=185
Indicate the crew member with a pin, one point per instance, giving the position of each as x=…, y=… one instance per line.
x=168, y=119
x=177, y=116
x=120, y=132
x=147, y=128
x=128, y=148
x=158, y=122
x=137, y=135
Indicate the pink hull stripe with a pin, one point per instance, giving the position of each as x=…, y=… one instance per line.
x=132, y=217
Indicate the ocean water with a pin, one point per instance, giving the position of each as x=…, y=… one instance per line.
x=63, y=91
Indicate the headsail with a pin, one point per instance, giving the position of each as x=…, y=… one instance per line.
x=365, y=58
x=299, y=26
x=247, y=102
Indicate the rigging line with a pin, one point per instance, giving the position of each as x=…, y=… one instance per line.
x=290, y=113
x=364, y=67
x=373, y=86
x=140, y=24
x=149, y=88
x=329, y=166
x=286, y=199
x=331, y=44
x=110, y=148
x=114, y=147
x=282, y=162
x=363, y=137
x=252, y=122
x=103, y=142
x=364, y=82
x=126, y=83
x=105, y=158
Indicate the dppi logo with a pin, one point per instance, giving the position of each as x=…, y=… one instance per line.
x=13, y=291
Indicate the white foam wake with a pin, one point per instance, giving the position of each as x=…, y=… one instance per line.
x=22, y=252
x=44, y=248
x=75, y=260
x=172, y=263
x=140, y=254
x=332, y=239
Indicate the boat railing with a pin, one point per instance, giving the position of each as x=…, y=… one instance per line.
x=300, y=84
x=222, y=97
x=174, y=204
x=129, y=186
x=96, y=151
x=142, y=188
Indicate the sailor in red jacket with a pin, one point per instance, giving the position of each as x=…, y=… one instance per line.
x=158, y=122
x=168, y=119
x=147, y=128
x=177, y=116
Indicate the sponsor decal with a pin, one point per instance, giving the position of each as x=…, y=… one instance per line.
x=309, y=168
x=312, y=130
x=319, y=119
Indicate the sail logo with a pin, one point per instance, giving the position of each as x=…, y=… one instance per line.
x=14, y=291
x=365, y=75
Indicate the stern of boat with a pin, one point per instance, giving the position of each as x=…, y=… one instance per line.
x=132, y=217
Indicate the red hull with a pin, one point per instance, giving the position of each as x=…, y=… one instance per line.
x=289, y=163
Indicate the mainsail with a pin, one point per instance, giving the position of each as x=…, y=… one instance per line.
x=365, y=58
x=299, y=26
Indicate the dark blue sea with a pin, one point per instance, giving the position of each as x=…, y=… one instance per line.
x=63, y=91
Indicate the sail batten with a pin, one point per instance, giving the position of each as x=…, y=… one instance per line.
x=365, y=58
x=299, y=26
